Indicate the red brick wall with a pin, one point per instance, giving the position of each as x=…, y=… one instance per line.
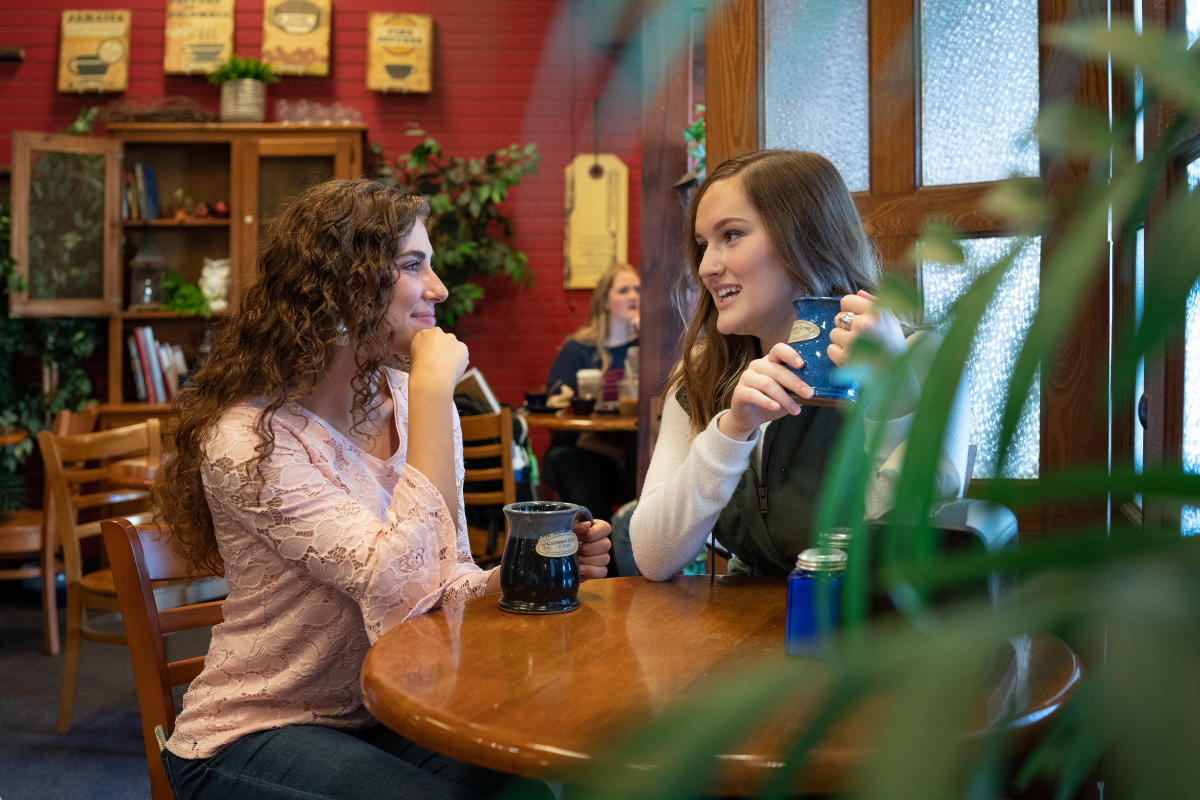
x=504, y=71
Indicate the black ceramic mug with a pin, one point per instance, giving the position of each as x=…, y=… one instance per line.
x=538, y=571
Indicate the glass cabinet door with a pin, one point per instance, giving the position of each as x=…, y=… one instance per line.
x=281, y=167
x=65, y=225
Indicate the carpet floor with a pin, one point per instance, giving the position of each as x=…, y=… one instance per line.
x=102, y=756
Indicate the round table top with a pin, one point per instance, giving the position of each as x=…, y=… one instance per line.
x=566, y=421
x=12, y=436
x=542, y=696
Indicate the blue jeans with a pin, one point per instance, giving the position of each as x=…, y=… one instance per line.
x=313, y=761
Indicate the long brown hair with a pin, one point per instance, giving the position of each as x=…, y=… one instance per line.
x=595, y=332
x=816, y=233
x=325, y=274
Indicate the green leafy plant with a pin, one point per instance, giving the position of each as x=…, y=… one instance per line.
x=694, y=136
x=236, y=69
x=183, y=296
x=1128, y=595
x=470, y=234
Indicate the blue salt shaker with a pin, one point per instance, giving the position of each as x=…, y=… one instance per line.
x=814, y=595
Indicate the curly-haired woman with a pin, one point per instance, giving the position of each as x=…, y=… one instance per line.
x=328, y=485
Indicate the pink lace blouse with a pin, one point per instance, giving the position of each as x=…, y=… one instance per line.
x=338, y=548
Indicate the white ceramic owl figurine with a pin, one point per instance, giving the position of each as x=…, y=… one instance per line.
x=214, y=282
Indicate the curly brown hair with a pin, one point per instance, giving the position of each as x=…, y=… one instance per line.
x=816, y=232
x=325, y=273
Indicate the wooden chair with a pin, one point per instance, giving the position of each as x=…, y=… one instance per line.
x=29, y=534
x=75, y=471
x=140, y=556
x=489, y=480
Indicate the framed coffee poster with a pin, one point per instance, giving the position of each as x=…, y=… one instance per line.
x=198, y=35
x=93, y=54
x=296, y=36
x=400, y=53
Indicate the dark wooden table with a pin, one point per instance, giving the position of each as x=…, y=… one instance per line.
x=566, y=421
x=542, y=696
x=12, y=436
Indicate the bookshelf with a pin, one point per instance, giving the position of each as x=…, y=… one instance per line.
x=252, y=167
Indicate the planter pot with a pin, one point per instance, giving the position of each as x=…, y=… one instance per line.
x=243, y=100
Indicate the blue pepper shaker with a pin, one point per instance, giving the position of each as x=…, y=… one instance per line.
x=814, y=595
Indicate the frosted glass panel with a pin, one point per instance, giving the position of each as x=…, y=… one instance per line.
x=979, y=90
x=994, y=351
x=815, y=86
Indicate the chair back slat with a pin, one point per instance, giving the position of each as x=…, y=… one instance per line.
x=488, y=436
x=109, y=497
x=140, y=556
x=184, y=671
x=481, y=451
x=483, y=498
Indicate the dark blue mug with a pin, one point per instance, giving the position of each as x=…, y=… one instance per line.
x=815, y=317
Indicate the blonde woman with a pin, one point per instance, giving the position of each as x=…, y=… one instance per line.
x=591, y=469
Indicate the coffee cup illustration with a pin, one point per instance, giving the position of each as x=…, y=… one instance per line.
x=206, y=51
x=87, y=65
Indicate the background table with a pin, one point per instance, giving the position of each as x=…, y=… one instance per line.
x=566, y=421
x=542, y=696
x=12, y=436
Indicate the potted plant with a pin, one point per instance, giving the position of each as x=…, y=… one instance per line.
x=243, y=88
x=470, y=234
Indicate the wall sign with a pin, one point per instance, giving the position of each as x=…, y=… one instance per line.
x=198, y=35
x=400, y=53
x=596, y=234
x=93, y=54
x=296, y=36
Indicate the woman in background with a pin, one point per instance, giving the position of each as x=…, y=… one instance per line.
x=736, y=454
x=593, y=469
x=327, y=484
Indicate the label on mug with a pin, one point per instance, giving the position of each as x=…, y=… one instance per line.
x=557, y=545
x=802, y=331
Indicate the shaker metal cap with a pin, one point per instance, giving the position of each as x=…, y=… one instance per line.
x=835, y=537
x=822, y=559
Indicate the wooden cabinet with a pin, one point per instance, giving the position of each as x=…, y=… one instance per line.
x=253, y=168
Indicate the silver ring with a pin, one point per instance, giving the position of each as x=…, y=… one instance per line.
x=845, y=319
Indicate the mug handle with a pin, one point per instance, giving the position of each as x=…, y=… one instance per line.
x=582, y=511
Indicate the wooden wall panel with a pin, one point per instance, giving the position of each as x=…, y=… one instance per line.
x=732, y=87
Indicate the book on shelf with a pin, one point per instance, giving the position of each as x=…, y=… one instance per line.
x=147, y=189
x=129, y=201
x=143, y=363
x=151, y=361
x=135, y=366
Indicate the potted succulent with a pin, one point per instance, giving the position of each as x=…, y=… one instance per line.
x=243, y=88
